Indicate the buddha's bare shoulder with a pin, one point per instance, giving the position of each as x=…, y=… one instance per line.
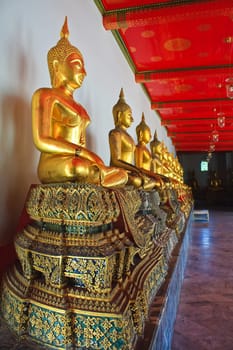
x=42, y=93
x=115, y=131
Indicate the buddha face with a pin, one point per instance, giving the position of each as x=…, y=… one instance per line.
x=126, y=118
x=145, y=135
x=156, y=148
x=72, y=71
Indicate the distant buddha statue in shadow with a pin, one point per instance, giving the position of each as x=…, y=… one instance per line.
x=59, y=124
x=194, y=182
x=122, y=146
x=215, y=183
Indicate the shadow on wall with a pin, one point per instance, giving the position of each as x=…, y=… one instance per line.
x=16, y=161
x=17, y=152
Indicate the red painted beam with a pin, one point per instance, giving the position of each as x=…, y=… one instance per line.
x=155, y=15
x=196, y=128
x=185, y=122
x=200, y=136
x=207, y=105
x=184, y=148
x=184, y=73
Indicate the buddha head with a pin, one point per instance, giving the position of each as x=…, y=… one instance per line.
x=122, y=112
x=155, y=146
x=65, y=61
x=143, y=131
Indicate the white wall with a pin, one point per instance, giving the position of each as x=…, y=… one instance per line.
x=29, y=28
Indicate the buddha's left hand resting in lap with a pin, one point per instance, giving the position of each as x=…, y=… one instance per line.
x=59, y=124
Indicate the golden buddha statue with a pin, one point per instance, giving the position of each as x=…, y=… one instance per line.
x=143, y=158
x=165, y=156
x=156, y=148
x=59, y=124
x=176, y=167
x=215, y=183
x=122, y=146
x=172, y=167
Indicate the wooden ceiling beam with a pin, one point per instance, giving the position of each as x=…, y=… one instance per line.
x=181, y=106
x=198, y=129
x=200, y=137
x=178, y=73
x=165, y=13
x=183, y=122
x=202, y=148
x=192, y=118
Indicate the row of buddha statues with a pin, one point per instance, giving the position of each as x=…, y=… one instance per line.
x=98, y=239
x=59, y=133
x=145, y=166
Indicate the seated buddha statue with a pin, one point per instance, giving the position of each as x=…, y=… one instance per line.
x=180, y=173
x=215, y=182
x=165, y=160
x=156, y=153
x=194, y=182
x=59, y=124
x=143, y=158
x=170, y=165
x=173, y=168
x=178, y=170
x=122, y=145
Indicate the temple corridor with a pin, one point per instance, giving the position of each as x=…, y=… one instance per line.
x=205, y=314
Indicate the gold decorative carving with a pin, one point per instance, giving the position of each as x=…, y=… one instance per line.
x=88, y=271
x=72, y=203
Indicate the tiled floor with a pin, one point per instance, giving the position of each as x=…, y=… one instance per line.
x=205, y=314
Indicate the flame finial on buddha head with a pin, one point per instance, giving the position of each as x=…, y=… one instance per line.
x=120, y=106
x=62, y=50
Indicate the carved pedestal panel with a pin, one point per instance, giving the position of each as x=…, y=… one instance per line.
x=91, y=260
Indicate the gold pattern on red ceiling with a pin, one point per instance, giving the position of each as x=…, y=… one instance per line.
x=181, y=51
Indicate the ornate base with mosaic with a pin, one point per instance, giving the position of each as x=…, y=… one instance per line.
x=91, y=260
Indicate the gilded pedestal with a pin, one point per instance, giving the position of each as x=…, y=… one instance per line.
x=91, y=260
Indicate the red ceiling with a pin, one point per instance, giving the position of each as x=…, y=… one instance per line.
x=181, y=52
